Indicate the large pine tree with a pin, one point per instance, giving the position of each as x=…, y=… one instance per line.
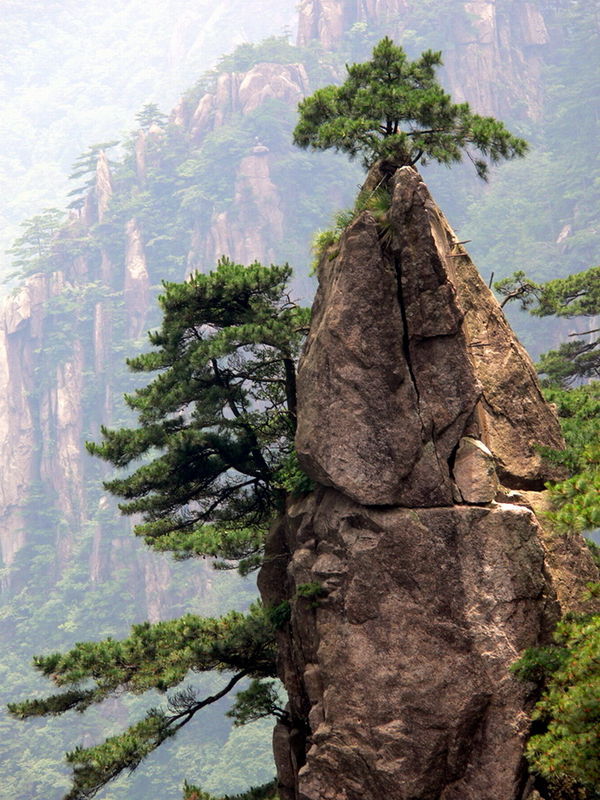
x=212, y=456
x=393, y=109
x=217, y=423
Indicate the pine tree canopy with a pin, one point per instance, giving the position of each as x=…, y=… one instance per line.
x=216, y=424
x=577, y=295
x=157, y=656
x=215, y=442
x=394, y=109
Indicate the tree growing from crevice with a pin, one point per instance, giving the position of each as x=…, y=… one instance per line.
x=393, y=109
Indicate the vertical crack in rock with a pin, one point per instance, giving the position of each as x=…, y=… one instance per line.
x=398, y=675
x=428, y=432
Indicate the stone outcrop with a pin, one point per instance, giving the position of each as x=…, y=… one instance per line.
x=414, y=580
x=242, y=93
x=474, y=472
x=136, y=288
x=253, y=229
x=385, y=398
x=402, y=668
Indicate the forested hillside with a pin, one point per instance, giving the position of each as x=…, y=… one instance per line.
x=215, y=175
x=77, y=73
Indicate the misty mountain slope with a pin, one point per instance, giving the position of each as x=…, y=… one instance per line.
x=75, y=75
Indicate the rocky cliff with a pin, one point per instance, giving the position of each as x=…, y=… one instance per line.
x=252, y=227
x=417, y=571
x=251, y=219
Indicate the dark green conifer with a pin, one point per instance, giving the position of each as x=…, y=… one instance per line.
x=394, y=109
x=214, y=447
x=217, y=423
x=577, y=295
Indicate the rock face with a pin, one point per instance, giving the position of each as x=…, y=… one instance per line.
x=411, y=589
x=386, y=397
x=474, y=472
x=252, y=227
x=402, y=669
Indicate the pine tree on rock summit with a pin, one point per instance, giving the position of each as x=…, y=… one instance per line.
x=393, y=109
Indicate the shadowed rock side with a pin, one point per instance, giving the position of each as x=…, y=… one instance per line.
x=412, y=590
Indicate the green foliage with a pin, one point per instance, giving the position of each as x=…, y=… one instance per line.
x=220, y=415
x=150, y=115
x=393, y=109
x=565, y=753
x=579, y=413
x=577, y=295
x=156, y=656
x=569, y=710
x=292, y=477
x=280, y=614
x=261, y=699
x=265, y=792
x=322, y=242
x=85, y=167
x=274, y=49
x=215, y=427
x=537, y=663
x=576, y=500
x=595, y=551
x=36, y=249
x=377, y=201
x=313, y=592
x=518, y=287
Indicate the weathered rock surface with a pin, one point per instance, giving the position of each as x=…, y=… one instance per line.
x=252, y=228
x=568, y=558
x=136, y=287
x=412, y=591
x=242, y=93
x=513, y=417
x=397, y=368
x=251, y=231
x=369, y=422
x=474, y=472
x=402, y=669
